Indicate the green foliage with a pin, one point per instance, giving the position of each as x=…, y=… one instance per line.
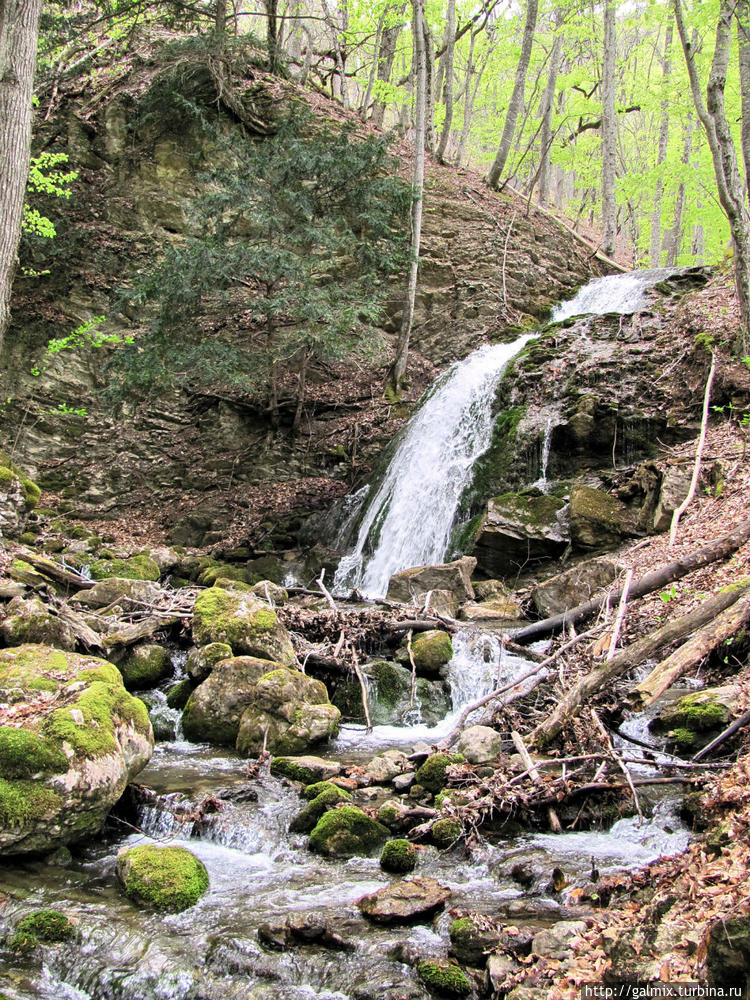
x=45, y=178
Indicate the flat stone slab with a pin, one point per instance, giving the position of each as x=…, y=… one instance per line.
x=409, y=901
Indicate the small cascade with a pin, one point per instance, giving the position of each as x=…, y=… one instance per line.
x=408, y=521
x=618, y=293
x=542, y=483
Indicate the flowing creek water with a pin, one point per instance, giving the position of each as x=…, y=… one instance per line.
x=259, y=871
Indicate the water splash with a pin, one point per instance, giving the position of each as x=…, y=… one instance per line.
x=409, y=519
x=542, y=483
x=617, y=293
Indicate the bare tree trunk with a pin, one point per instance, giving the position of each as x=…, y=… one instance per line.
x=609, y=133
x=656, y=241
x=468, y=102
x=338, y=53
x=448, y=85
x=220, y=21
x=516, y=100
x=19, y=26
x=675, y=235
x=301, y=389
x=398, y=368
x=429, y=53
x=545, y=139
x=385, y=65
x=272, y=33
x=365, y=103
x=742, y=13
x=712, y=115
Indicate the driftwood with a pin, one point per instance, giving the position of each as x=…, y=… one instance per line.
x=528, y=763
x=631, y=657
x=723, y=737
x=84, y=634
x=140, y=630
x=698, y=455
x=718, y=549
x=691, y=653
x=48, y=567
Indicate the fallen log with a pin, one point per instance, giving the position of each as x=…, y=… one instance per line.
x=604, y=673
x=518, y=743
x=657, y=578
x=48, y=567
x=141, y=630
x=723, y=737
x=691, y=653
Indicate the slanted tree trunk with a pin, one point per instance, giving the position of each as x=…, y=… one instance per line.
x=545, y=139
x=398, y=369
x=448, y=84
x=661, y=156
x=385, y=64
x=712, y=115
x=516, y=99
x=19, y=27
x=609, y=133
x=364, y=106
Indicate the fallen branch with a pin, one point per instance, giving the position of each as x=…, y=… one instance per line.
x=141, y=630
x=326, y=592
x=604, y=673
x=656, y=579
x=691, y=653
x=620, y=614
x=723, y=737
x=618, y=760
x=518, y=743
x=698, y=454
x=48, y=567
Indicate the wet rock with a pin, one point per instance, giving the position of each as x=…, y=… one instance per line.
x=471, y=943
x=445, y=980
x=43, y=926
x=392, y=814
x=479, y=744
x=556, y=942
x=289, y=713
x=303, y=929
x=411, y=585
x=499, y=969
x=574, y=586
x=431, y=651
x=432, y=775
x=307, y=769
x=29, y=620
x=403, y=782
x=168, y=879
x=145, y=665
x=518, y=528
x=84, y=737
x=215, y=708
x=243, y=621
x=346, y=832
x=728, y=958
x=115, y=589
x=390, y=696
x=496, y=609
x=386, y=766
x=441, y=602
x=270, y=592
x=674, y=488
x=410, y=901
x=399, y=856
x=306, y=820
x=446, y=832
x=697, y=714
x=202, y=660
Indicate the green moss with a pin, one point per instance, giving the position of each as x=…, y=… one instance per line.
x=432, y=774
x=530, y=506
x=7, y=476
x=31, y=493
x=386, y=677
x=27, y=538
x=215, y=618
x=46, y=925
x=316, y=789
x=469, y=943
x=445, y=832
x=432, y=650
x=447, y=979
x=492, y=469
x=23, y=802
x=683, y=739
x=139, y=567
x=399, y=857
x=287, y=767
x=216, y=571
x=389, y=815
x=168, y=879
x=145, y=666
x=178, y=694
x=306, y=820
x=23, y=754
x=346, y=832
x=97, y=705
x=695, y=713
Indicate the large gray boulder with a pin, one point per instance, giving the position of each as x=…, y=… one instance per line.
x=412, y=585
x=519, y=528
x=574, y=586
x=116, y=588
x=214, y=709
x=67, y=758
x=29, y=620
x=411, y=901
x=674, y=488
x=480, y=744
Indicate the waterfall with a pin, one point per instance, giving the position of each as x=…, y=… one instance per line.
x=618, y=293
x=541, y=483
x=408, y=521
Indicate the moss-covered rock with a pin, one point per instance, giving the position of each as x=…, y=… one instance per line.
x=44, y=926
x=329, y=798
x=137, y=567
x=399, y=856
x=168, y=879
x=84, y=738
x=517, y=528
x=470, y=943
x=431, y=651
x=314, y=772
x=390, y=702
x=347, y=832
x=432, y=774
x=201, y=661
x=225, y=571
x=214, y=709
x=242, y=621
x=145, y=665
x=18, y=495
x=699, y=712
x=179, y=693
x=445, y=832
x=289, y=713
x=447, y=980
x=596, y=518
x=29, y=620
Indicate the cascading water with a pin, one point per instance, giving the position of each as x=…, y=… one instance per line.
x=408, y=521
x=615, y=293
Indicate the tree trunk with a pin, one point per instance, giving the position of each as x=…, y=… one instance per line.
x=365, y=104
x=398, y=368
x=220, y=21
x=656, y=241
x=712, y=115
x=516, y=100
x=301, y=389
x=545, y=140
x=609, y=133
x=429, y=62
x=19, y=26
x=338, y=53
x=742, y=13
x=468, y=99
x=448, y=85
x=675, y=234
x=385, y=65
x=272, y=33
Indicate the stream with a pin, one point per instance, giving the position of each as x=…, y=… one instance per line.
x=260, y=873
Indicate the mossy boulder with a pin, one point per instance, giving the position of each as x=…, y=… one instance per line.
x=179, y=693
x=289, y=713
x=311, y=771
x=201, y=661
x=446, y=832
x=446, y=980
x=168, y=879
x=214, y=709
x=471, y=943
x=83, y=738
x=597, y=519
x=346, y=832
x=700, y=712
x=137, y=567
x=306, y=820
x=29, y=620
x=432, y=775
x=18, y=495
x=226, y=571
x=431, y=651
x=518, y=528
x=390, y=703
x=145, y=665
x=399, y=857
x=242, y=621
x=43, y=926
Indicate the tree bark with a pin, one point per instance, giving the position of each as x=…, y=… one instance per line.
x=338, y=52
x=545, y=139
x=629, y=658
x=272, y=32
x=385, y=64
x=712, y=115
x=220, y=21
x=675, y=234
x=609, y=132
x=398, y=368
x=661, y=156
x=742, y=14
x=516, y=100
x=429, y=62
x=713, y=551
x=448, y=84
x=19, y=28
x=365, y=103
